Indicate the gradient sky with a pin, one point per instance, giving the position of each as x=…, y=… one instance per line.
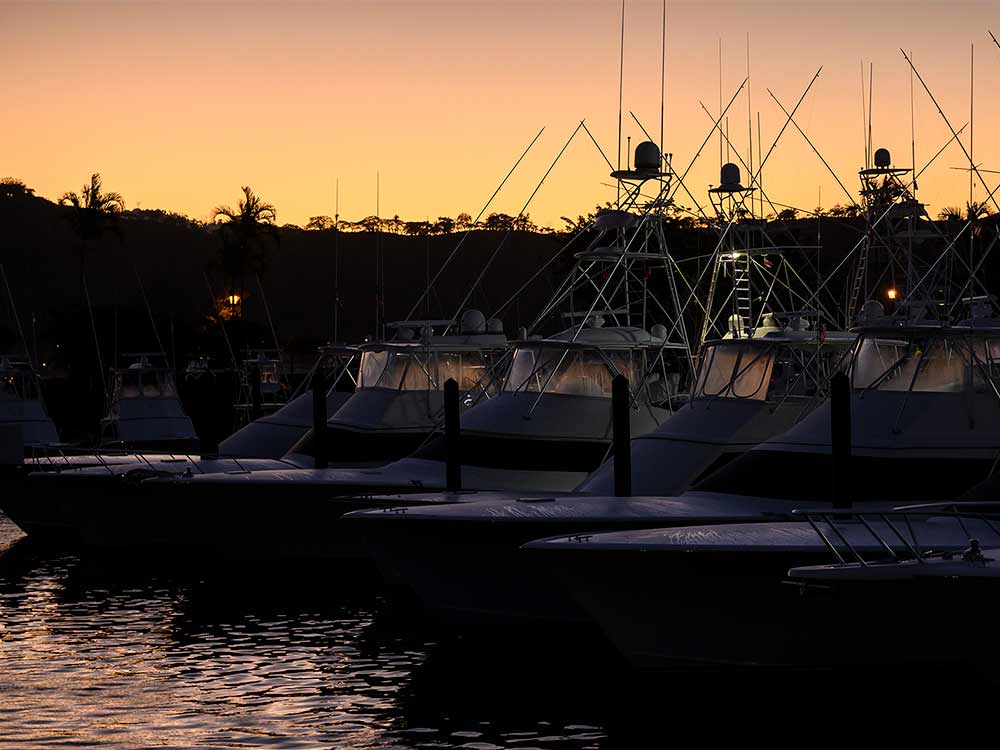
x=179, y=104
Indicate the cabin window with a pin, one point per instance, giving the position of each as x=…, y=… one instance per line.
x=469, y=370
x=150, y=384
x=167, y=387
x=876, y=359
x=423, y=371
x=570, y=372
x=372, y=365
x=930, y=365
x=730, y=371
x=129, y=385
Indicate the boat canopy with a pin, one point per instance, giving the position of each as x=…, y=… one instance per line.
x=928, y=360
x=584, y=362
x=147, y=382
x=17, y=381
x=423, y=368
x=776, y=365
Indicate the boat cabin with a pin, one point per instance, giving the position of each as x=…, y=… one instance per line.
x=145, y=409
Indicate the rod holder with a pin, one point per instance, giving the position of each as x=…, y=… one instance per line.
x=622, y=435
x=840, y=439
x=318, y=387
x=452, y=437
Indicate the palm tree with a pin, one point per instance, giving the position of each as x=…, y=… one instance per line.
x=94, y=213
x=248, y=233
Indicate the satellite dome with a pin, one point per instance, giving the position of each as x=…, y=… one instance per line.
x=647, y=156
x=473, y=321
x=494, y=325
x=729, y=177
x=736, y=325
x=596, y=321
x=405, y=334
x=659, y=331
x=882, y=158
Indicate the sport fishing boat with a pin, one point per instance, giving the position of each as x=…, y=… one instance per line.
x=144, y=409
x=399, y=400
x=112, y=505
x=923, y=427
x=768, y=368
x=719, y=593
x=550, y=423
x=445, y=551
x=269, y=437
x=275, y=433
x=63, y=487
x=22, y=409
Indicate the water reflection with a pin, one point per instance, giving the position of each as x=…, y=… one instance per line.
x=118, y=654
x=125, y=654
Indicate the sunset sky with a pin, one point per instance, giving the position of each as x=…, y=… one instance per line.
x=179, y=104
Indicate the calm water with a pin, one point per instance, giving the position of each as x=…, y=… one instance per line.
x=102, y=653
x=113, y=653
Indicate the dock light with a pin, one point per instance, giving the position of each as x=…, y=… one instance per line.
x=891, y=294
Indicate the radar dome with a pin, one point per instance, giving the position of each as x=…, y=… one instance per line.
x=647, y=156
x=882, y=158
x=729, y=176
x=405, y=334
x=659, y=331
x=473, y=321
x=494, y=325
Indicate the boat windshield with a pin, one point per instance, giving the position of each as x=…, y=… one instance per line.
x=16, y=385
x=145, y=384
x=424, y=371
x=928, y=364
x=575, y=372
x=737, y=371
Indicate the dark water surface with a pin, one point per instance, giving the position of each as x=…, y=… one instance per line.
x=119, y=653
x=113, y=654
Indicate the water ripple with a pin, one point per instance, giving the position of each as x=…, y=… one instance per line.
x=102, y=653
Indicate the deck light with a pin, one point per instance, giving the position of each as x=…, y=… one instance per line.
x=891, y=294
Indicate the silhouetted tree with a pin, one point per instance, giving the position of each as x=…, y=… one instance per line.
x=320, y=223
x=94, y=212
x=248, y=234
x=418, y=228
x=497, y=222
x=444, y=225
x=371, y=224
x=463, y=222
x=12, y=188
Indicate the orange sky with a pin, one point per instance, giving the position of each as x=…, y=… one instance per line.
x=178, y=104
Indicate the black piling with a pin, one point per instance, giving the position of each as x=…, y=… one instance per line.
x=452, y=437
x=840, y=436
x=318, y=386
x=622, y=433
x=208, y=447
